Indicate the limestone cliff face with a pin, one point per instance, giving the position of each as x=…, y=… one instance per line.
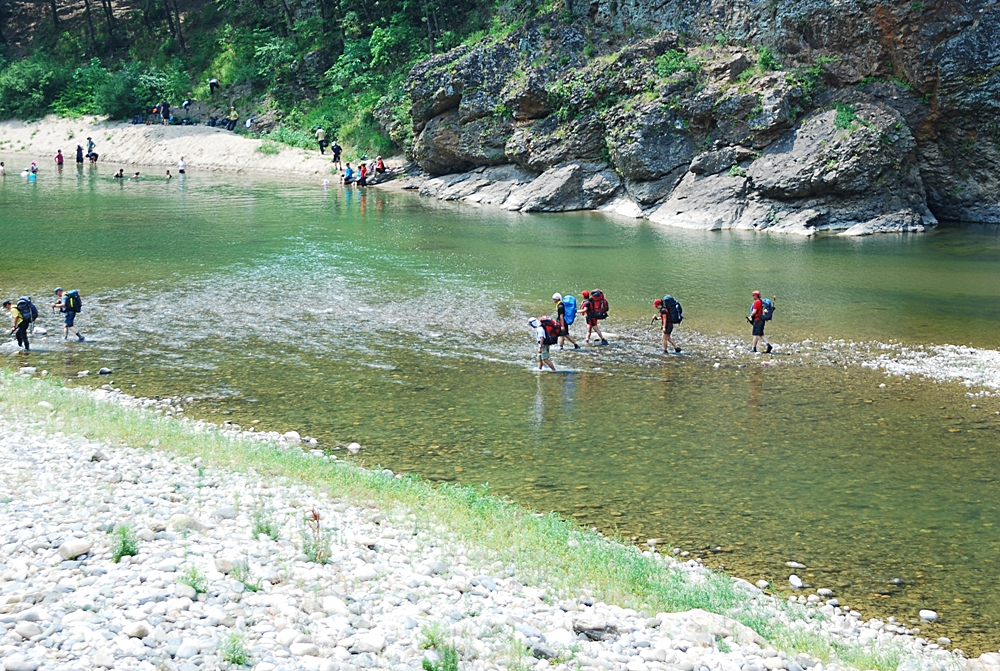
x=799, y=116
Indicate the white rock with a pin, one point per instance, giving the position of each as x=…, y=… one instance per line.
x=104, y=659
x=928, y=615
x=286, y=637
x=74, y=547
x=139, y=629
x=26, y=370
x=292, y=437
x=18, y=662
x=183, y=590
x=763, y=584
x=825, y=592
x=303, y=649
x=334, y=606
x=365, y=573
x=795, y=581
x=187, y=649
x=354, y=448
x=45, y=404
x=28, y=629
x=370, y=642
x=83, y=373
x=560, y=637
x=794, y=564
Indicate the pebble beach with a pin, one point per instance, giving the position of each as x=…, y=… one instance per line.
x=220, y=569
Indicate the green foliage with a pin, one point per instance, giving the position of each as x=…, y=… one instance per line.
x=766, y=60
x=195, y=579
x=241, y=573
x=234, y=650
x=315, y=539
x=846, y=116
x=737, y=171
x=262, y=522
x=124, y=542
x=449, y=660
x=29, y=86
x=269, y=147
x=675, y=61
x=80, y=95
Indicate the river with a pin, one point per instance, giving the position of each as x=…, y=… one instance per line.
x=399, y=322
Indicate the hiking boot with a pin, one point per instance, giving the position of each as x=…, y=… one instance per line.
x=603, y=341
x=753, y=349
x=768, y=350
x=677, y=350
x=81, y=338
x=575, y=346
x=560, y=348
x=666, y=351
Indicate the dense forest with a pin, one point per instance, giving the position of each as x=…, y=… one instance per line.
x=299, y=63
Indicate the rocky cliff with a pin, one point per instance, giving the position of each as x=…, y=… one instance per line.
x=795, y=116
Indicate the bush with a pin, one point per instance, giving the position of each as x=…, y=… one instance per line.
x=846, y=116
x=80, y=95
x=29, y=86
x=124, y=543
x=675, y=61
x=234, y=650
x=766, y=60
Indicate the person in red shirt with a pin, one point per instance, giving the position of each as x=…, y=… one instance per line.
x=588, y=309
x=59, y=158
x=756, y=318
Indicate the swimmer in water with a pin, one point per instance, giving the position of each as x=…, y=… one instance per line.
x=34, y=168
x=135, y=176
x=326, y=182
x=120, y=174
x=169, y=176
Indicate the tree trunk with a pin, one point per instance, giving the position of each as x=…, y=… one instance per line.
x=170, y=17
x=289, y=21
x=109, y=20
x=55, y=16
x=180, y=33
x=90, y=27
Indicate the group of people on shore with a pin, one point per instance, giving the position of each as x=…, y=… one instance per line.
x=594, y=308
x=23, y=314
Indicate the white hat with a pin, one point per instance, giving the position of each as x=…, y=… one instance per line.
x=557, y=296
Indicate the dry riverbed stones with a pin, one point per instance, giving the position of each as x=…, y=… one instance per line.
x=217, y=567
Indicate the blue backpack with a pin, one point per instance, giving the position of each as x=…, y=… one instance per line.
x=570, y=304
x=673, y=309
x=767, y=309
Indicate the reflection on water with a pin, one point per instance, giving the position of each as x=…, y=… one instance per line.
x=400, y=323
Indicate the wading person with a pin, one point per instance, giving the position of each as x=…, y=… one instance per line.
x=591, y=312
x=21, y=314
x=79, y=154
x=90, y=147
x=546, y=334
x=69, y=304
x=59, y=158
x=563, y=321
x=181, y=166
x=669, y=314
x=756, y=319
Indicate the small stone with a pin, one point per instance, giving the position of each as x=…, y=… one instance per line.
x=944, y=640
x=795, y=581
x=82, y=373
x=225, y=513
x=187, y=649
x=824, y=592
x=45, y=404
x=292, y=437
x=224, y=566
x=334, y=606
x=181, y=521
x=28, y=629
x=104, y=659
x=18, y=662
x=354, y=448
x=26, y=370
x=794, y=564
x=763, y=584
x=304, y=649
x=369, y=643
x=286, y=637
x=104, y=371
x=543, y=651
x=182, y=590
x=928, y=615
x=137, y=629
x=365, y=573
x=74, y=547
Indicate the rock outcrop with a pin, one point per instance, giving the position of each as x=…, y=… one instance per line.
x=795, y=117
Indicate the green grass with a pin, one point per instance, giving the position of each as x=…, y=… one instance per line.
x=195, y=579
x=124, y=543
x=846, y=116
x=539, y=549
x=269, y=147
x=234, y=650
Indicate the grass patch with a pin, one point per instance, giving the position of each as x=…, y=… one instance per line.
x=269, y=147
x=262, y=522
x=195, y=579
x=675, y=61
x=846, y=116
x=538, y=549
x=234, y=650
x=124, y=542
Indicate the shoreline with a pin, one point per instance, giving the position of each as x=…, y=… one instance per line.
x=536, y=565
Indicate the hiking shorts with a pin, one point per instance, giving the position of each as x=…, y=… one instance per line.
x=544, y=354
x=565, y=330
x=70, y=318
x=758, y=327
x=668, y=327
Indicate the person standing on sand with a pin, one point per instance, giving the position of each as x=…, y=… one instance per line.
x=90, y=147
x=165, y=112
x=337, y=151
x=756, y=319
x=181, y=166
x=321, y=140
x=59, y=158
x=233, y=117
x=79, y=155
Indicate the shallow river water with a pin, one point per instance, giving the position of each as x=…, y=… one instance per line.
x=400, y=323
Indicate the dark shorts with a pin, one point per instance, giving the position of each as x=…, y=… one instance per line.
x=564, y=331
x=591, y=322
x=668, y=327
x=758, y=327
x=70, y=317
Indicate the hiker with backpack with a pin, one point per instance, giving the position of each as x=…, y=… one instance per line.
x=595, y=308
x=546, y=333
x=23, y=315
x=70, y=305
x=670, y=313
x=760, y=312
x=565, y=315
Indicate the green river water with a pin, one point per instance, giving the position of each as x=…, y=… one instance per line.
x=399, y=322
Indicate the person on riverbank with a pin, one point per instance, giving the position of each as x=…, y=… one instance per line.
x=232, y=118
x=69, y=305
x=213, y=86
x=561, y=321
x=544, y=340
x=321, y=140
x=79, y=155
x=666, y=325
x=59, y=158
x=165, y=113
x=19, y=326
x=590, y=313
x=337, y=151
x=90, y=147
x=756, y=319
x=348, y=175
x=379, y=166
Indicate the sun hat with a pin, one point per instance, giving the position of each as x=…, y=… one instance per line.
x=585, y=293
x=756, y=293
x=58, y=289
x=557, y=296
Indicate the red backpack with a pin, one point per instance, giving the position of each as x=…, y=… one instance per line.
x=551, y=330
x=599, y=305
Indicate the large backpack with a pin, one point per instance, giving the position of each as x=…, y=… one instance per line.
x=569, y=303
x=673, y=309
x=599, y=304
x=767, y=309
x=29, y=312
x=551, y=331
x=73, y=302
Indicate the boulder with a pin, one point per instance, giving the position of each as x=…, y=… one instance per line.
x=649, y=141
x=74, y=547
x=437, y=149
x=181, y=521
x=595, y=629
x=574, y=186
x=138, y=629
